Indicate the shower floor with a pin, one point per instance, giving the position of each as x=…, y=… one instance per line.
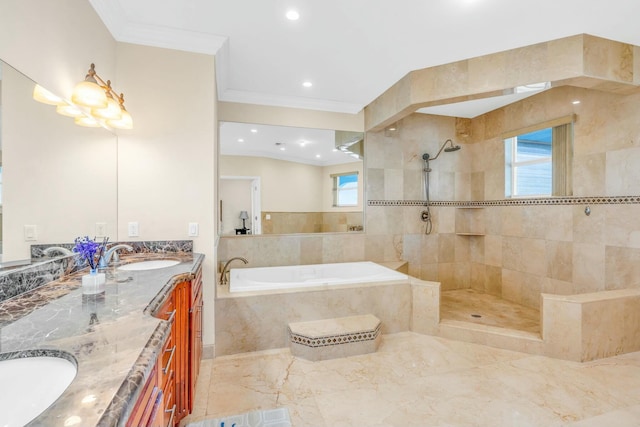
x=466, y=304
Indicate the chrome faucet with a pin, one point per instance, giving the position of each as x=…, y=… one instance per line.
x=53, y=249
x=223, y=274
x=112, y=253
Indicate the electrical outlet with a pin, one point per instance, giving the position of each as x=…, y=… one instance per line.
x=133, y=230
x=101, y=229
x=193, y=229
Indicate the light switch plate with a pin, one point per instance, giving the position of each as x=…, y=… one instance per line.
x=193, y=229
x=30, y=233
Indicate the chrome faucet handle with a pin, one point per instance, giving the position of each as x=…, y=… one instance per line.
x=112, y=253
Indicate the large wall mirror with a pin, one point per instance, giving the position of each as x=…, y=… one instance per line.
x=284, y=180
x=58, y=181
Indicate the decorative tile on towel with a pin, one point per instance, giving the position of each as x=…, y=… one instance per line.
x=269, y=418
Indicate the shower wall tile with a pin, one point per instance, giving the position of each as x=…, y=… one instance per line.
x=462, y=249
x=512, y=253
x=588, y=267
x=512, y=283
x=430, y=249
x=413, y=187
x=589, y=174
x=622, y=172
x=622, y=227
x=478, y=273
x=412, y=223
x=393, y=184
x=590, y=228
x=622, y=267
x=444, y=220
x=476, y=186
x=493, y=280
x=533, y=256
x=375, y=184
x=559, y=260
x=446, y=248
x=493, y=250
x=512, y=220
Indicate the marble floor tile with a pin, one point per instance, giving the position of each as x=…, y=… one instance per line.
x=461, y=304
x=419, y=380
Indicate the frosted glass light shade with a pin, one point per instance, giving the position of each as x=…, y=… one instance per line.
x=41, y=94
x=125, y=122
x=69, y=110
x=112, y=111
x=89, y=94
x=88, y=122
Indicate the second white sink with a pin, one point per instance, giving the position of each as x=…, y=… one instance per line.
x=149, y=265
x=30, y=385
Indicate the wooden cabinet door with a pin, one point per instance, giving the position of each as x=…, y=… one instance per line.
x=195, y=335
x=182, y=297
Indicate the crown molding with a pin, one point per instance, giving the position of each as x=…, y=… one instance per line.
x=122, y=30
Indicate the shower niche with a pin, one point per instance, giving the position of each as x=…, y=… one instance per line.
x=470, y=221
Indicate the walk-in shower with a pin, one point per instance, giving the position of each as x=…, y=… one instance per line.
x=426, y=214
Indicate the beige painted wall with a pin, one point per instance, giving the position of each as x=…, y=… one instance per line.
x=286, y=186
x=236, y=197
x=59, y=177
x=166, y=163
x=54, y=42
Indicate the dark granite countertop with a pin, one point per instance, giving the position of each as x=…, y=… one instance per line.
x=113, y=336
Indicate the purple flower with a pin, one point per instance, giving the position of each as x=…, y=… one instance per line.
x=88, y=250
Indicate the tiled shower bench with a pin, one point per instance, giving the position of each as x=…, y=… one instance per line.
x=333, y=338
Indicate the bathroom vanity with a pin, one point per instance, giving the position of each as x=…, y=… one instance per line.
x=137, y=346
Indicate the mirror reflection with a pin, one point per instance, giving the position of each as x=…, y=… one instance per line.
x=59, y=180
x=283, y=180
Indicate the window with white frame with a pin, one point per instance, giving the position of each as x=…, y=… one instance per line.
x=345, y=189
x=538, y=162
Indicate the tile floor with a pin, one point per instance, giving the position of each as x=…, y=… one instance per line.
x=462, y=303
x=418, y=380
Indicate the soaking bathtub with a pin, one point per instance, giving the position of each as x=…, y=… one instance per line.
x=305, y=276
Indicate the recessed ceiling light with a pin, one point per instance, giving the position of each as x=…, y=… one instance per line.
x=317, y=156
x=240, y=140
x=282, y=148
x=292, y=15
x=307, y=83
x=576, y=102
x=254, y=130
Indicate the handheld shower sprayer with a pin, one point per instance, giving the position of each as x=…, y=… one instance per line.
x=426, y=214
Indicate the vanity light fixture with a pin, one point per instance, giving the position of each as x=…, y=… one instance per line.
x=93, y=103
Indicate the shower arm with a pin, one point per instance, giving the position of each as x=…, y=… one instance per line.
x=452, y=148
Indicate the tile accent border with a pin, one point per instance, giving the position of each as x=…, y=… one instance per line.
x=590, y=200
x=338, y=339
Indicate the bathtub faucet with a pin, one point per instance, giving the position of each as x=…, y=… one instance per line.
x=223, y=274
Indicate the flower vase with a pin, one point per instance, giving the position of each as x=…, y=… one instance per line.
x=93, y=283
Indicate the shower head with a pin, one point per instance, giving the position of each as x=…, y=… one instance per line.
x=449, y=149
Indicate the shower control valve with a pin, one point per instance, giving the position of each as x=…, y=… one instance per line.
x=424, y=216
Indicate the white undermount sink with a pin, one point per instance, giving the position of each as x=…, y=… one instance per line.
x=149, y=265
x=30, y=385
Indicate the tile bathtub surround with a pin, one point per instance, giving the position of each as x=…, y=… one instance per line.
x=259, y=321
x=417, y=380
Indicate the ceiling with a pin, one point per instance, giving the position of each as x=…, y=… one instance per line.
x=353, y=50
x=301, y=145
